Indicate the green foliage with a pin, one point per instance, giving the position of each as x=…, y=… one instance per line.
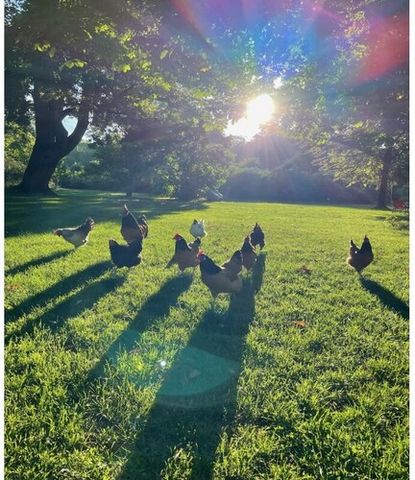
x=18, y=144
x=289, y=185
x=312, y=378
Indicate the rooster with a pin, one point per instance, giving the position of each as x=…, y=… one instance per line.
x=218, y=279
x=126, y=255
x=132, y=229
x=234, y=264
x=249, y=257
x=257, y=237
x=197, y=229
x=78, y=235
x=360, y=259
x=185, y=254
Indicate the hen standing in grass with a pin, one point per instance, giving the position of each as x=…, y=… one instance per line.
x=234, y=264
x=131, y=228
x=218, y=279
x=185, y=254
x=249, y=257
x=257, y=237
x=78, y=235
x=360, y=259
x=126, y=255
x=197, y=229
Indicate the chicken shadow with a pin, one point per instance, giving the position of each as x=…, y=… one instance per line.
x=60, y=288
x=388, y=299
x=155, y=307
x=198, y=397
x=37, y=262
x=70, y=307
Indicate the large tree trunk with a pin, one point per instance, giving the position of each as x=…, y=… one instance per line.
x=52, y=142
x=384, y=179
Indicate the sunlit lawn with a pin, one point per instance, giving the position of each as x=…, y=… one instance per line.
x=130, y=374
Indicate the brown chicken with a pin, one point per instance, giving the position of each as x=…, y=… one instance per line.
x=131, y=228
x=257, y=237
x=234, y=264
x=360, y=258
x=249, y=257
x=126, y=255
x=218, y=279
x=78, y=235
x=185, y=254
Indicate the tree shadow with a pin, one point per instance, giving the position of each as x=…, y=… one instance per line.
x=60, y=288
x=29, y=214
x=388, y=299
x=198, y=397
x=70, y=307
x=155, y=307
x=37, y=262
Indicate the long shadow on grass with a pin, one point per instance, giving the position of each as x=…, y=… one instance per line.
x=157, y=306
x=71, y=307
x=37, y=262
x=60, y=288
x=31, y=214
x=386, y=297
x=197, y=399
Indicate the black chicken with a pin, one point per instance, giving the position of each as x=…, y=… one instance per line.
x=258, y=237
x=126, y=255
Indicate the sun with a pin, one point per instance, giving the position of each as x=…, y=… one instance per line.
x=259, y=111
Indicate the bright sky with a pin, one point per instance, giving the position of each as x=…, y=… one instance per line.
x=259, y=111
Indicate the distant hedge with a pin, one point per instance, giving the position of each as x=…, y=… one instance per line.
x=290, y=186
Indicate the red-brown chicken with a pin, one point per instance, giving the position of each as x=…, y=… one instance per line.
x=234, y=264
x=131, y=228
x=185, y=254
x=218, y=279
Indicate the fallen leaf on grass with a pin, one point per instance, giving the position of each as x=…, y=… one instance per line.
x=299, y=323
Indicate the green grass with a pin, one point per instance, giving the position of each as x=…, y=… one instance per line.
x=130, y=374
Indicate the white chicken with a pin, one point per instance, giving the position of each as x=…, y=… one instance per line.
x=197, y=229
x=78, y=235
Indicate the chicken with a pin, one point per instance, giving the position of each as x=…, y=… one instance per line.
x=185, y=254
x=218, y=279
x=257, y=237
x=78, y=235
x=234, y=265
x=249, y=257
x=126, y=255
x=197, y=229
x=360, y=259
x=132, y=229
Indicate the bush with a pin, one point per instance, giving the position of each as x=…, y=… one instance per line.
x=289, y=186
x=18, y=145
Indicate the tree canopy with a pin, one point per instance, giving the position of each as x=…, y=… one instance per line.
x=153, y=82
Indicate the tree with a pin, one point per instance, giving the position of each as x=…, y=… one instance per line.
x=72, y=58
